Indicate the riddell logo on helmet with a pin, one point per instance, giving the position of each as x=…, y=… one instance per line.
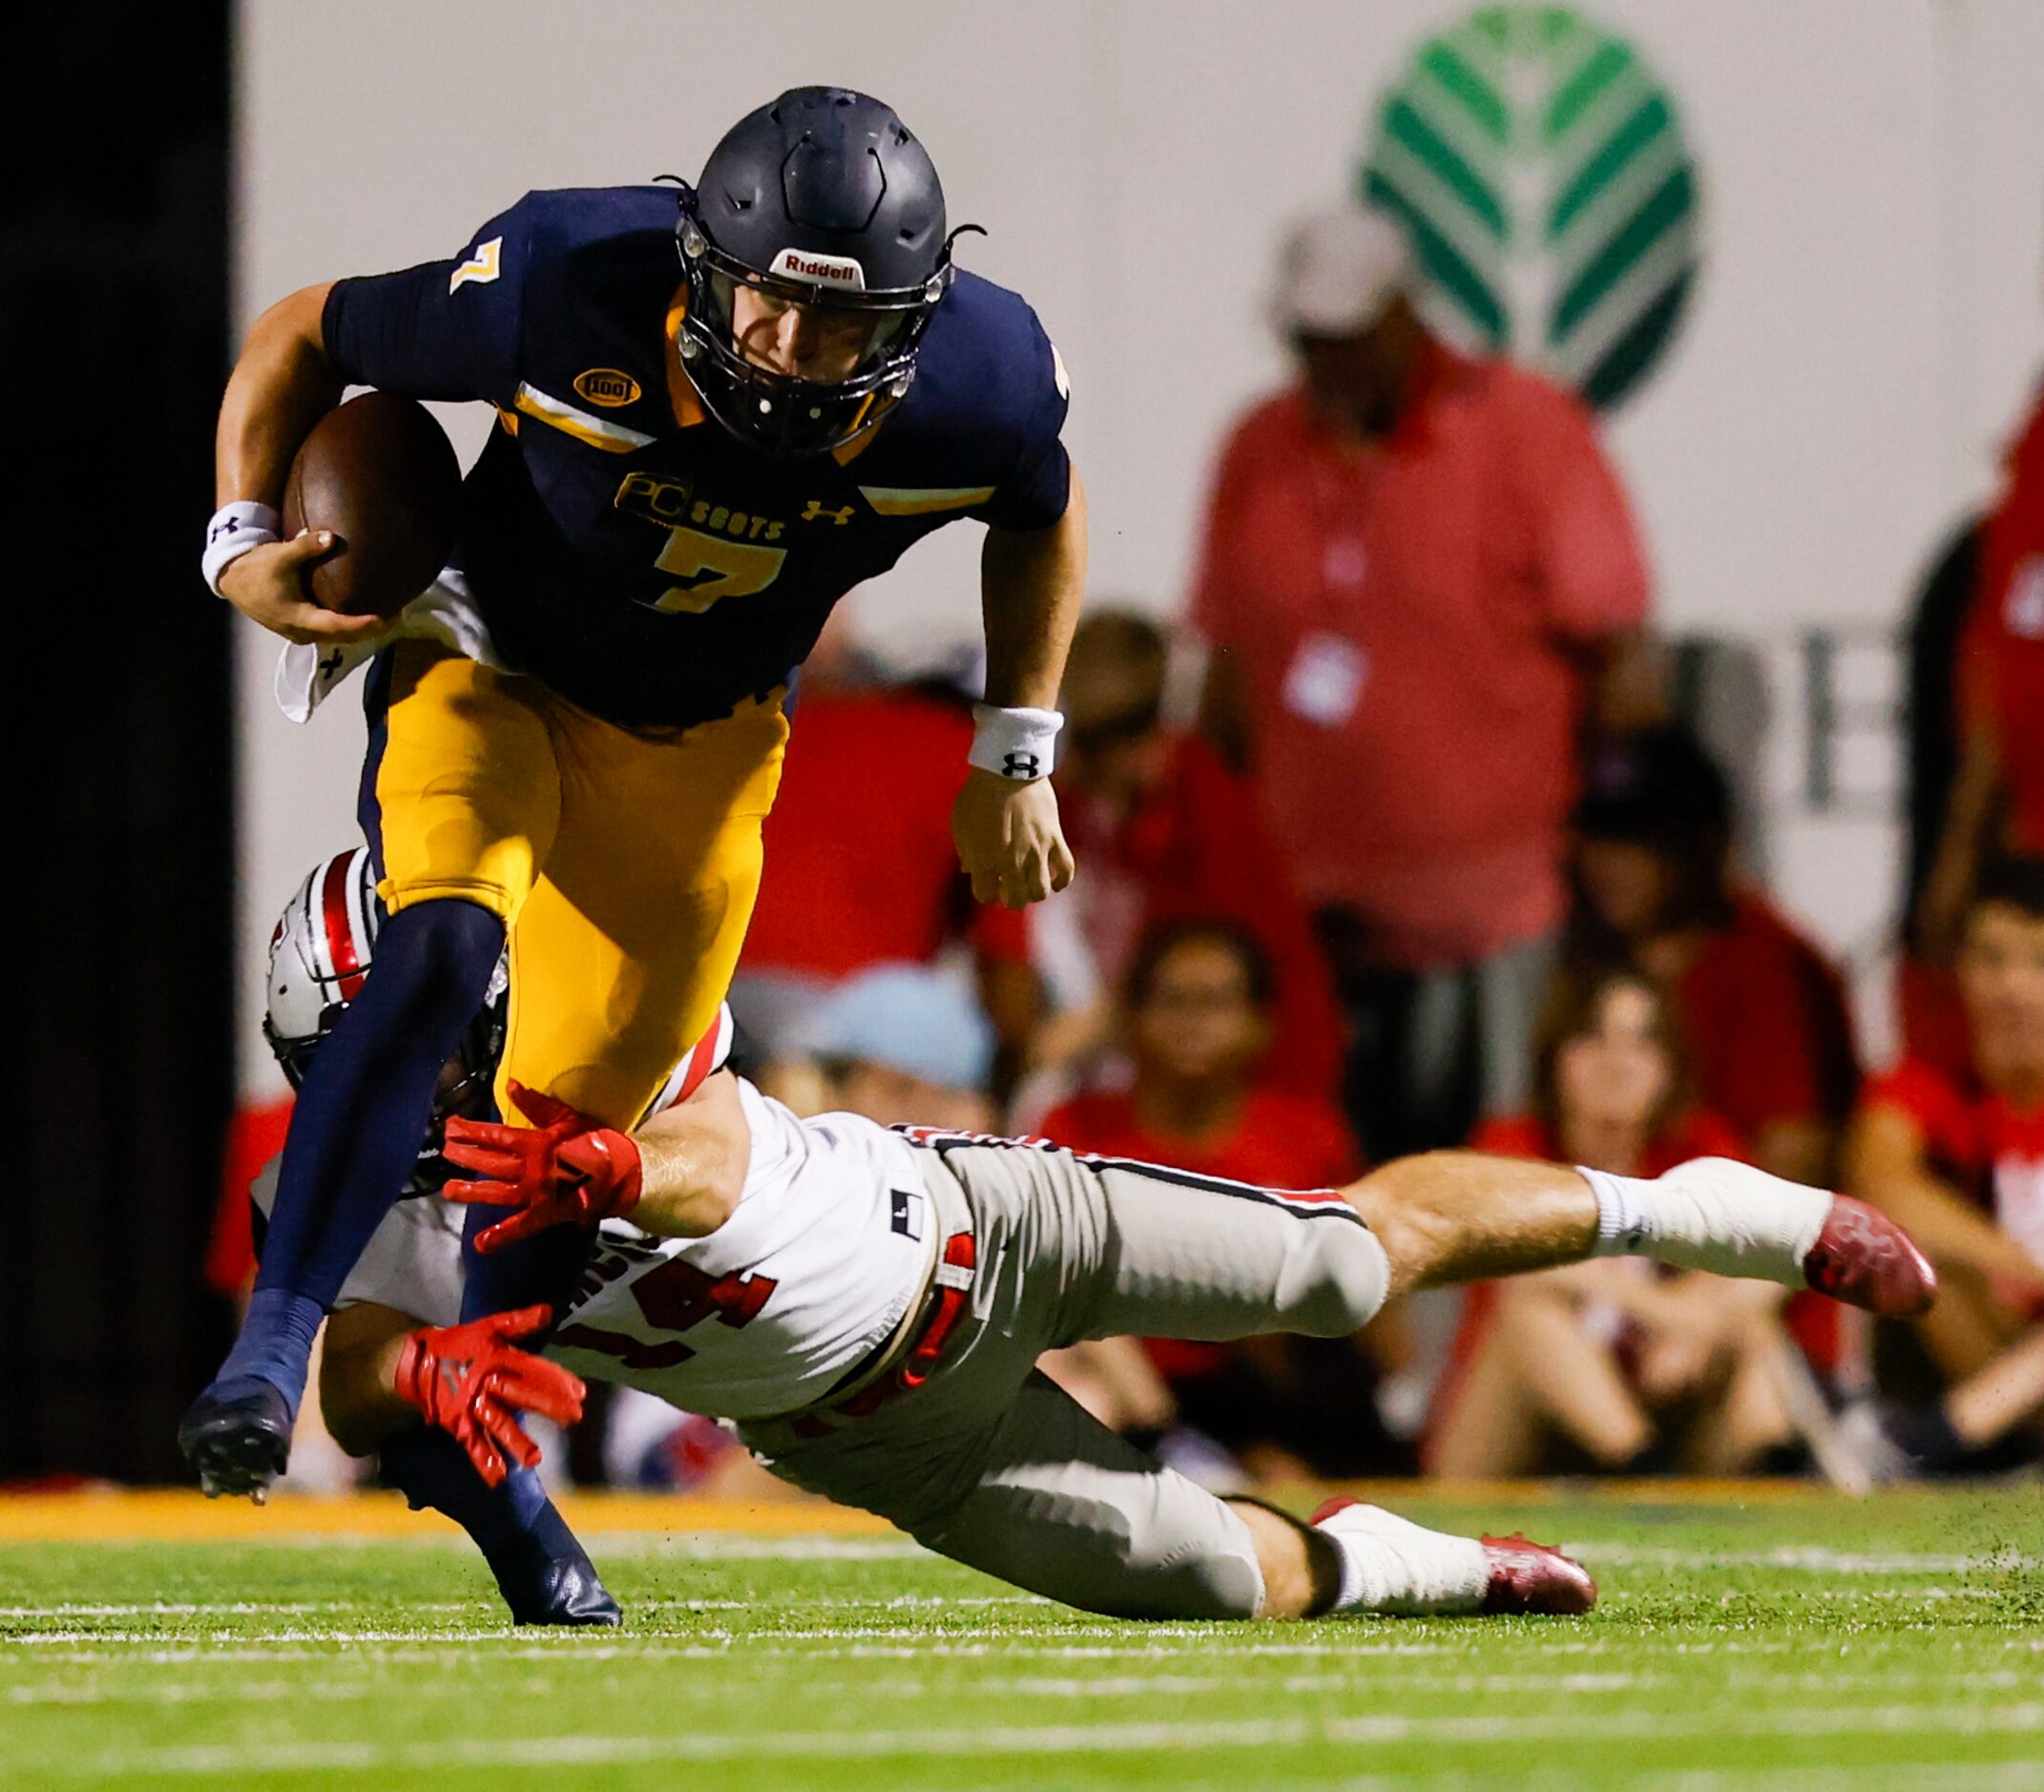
x=829, y=270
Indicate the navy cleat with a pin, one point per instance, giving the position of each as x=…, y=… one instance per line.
x=542, y=1588
x=238, y=1444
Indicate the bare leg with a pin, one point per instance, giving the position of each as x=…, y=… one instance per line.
x=1458, y=1216
x=1748, y=1417
x=1490, y=1430
x=1301, y=1568
x=1968, y=1327
x=1996, y=1399
x=1571, y=1379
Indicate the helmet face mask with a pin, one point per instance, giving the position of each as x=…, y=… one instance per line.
x=320, y=954
x=822, y=201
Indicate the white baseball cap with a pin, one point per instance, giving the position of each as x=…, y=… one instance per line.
x=1339, y=271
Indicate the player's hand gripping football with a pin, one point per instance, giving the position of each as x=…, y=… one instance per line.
x=472, y=1382
x=267, y=585
x=564, y=1169
x=1010, y=839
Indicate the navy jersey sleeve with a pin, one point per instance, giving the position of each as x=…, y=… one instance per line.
x=443, y=329
x=1035, y=398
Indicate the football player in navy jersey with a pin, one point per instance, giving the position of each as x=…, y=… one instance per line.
x=719, y=409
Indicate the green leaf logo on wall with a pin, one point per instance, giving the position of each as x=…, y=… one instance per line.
x=1540, y=166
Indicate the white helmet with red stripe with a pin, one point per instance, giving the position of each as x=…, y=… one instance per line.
x=319, y=955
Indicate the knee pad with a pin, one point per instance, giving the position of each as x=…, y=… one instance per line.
x=1341, y=1283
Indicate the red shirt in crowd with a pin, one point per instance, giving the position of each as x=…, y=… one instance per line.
x=1198, y=848
x=1988, y=1150
x=861, y=868
x=2002, y=655
x=1766, y=1019
x=1405, y=622
x=1280, y=1140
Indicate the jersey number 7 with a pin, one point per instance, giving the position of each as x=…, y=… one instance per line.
x=720, y=568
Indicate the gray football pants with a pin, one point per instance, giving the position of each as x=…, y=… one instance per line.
x=992, y=1465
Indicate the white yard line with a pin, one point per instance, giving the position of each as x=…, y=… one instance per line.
x=241, y=1690
x=993, y=1740
x=1814, y=1560
x=433, y=1646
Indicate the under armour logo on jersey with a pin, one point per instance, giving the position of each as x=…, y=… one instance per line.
x=818, y=511
x=1021, y=766
x=906, y=1216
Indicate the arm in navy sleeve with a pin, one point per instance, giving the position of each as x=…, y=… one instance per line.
x=1035, y=492
x=441, y=330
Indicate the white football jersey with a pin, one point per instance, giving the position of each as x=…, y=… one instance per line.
x=830, y=1242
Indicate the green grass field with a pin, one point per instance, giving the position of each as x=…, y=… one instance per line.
x=1801, y=1643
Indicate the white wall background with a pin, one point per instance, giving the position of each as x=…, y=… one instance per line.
x=1867, y=326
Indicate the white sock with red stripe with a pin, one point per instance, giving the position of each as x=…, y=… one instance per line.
x=1393, y=1565
x=1711, y=1213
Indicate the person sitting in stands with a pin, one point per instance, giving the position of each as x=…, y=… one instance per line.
x=1199, y=1017
x=1168, y=831
x=1762, y=1013
x=1960, y=1158
x=1597, y=1365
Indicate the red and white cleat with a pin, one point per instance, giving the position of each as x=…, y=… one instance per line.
x=1518, y=1576
x=1864, y=1259
x=1530, y=1577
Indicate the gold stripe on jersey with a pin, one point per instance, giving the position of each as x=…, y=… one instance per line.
x=597, y=431
x=921, y=500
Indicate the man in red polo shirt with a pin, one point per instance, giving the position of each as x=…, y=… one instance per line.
x=1420, y=575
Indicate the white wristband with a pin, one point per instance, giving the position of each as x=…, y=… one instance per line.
x=1015, y=743
x=235, y=529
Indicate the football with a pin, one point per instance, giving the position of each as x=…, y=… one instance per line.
x=381, y=474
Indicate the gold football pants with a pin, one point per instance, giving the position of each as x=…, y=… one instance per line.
x=624, y=866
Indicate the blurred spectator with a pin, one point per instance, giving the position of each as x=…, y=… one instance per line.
x=1763, y=1014
x=1997, y=800
x=861, y=866
x=1926, y=997
x=1613, y=1364
x=900, y=1044
x=1420, y=577
x=1166, y=830
x=1198, y=1003
x=1959, y=1160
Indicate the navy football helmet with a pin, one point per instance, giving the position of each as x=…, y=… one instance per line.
x=822, y=198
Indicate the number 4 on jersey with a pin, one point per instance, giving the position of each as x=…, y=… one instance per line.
x=674, y=1297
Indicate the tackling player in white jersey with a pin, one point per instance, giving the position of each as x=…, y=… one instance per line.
x=868, y=1306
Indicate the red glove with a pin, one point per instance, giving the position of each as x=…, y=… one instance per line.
x=562, y=1170
x=471, y=1381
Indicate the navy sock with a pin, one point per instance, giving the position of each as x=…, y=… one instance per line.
x=274, y=1347
x=542, y=1269
x=432, y=1469
x=361, y=1117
